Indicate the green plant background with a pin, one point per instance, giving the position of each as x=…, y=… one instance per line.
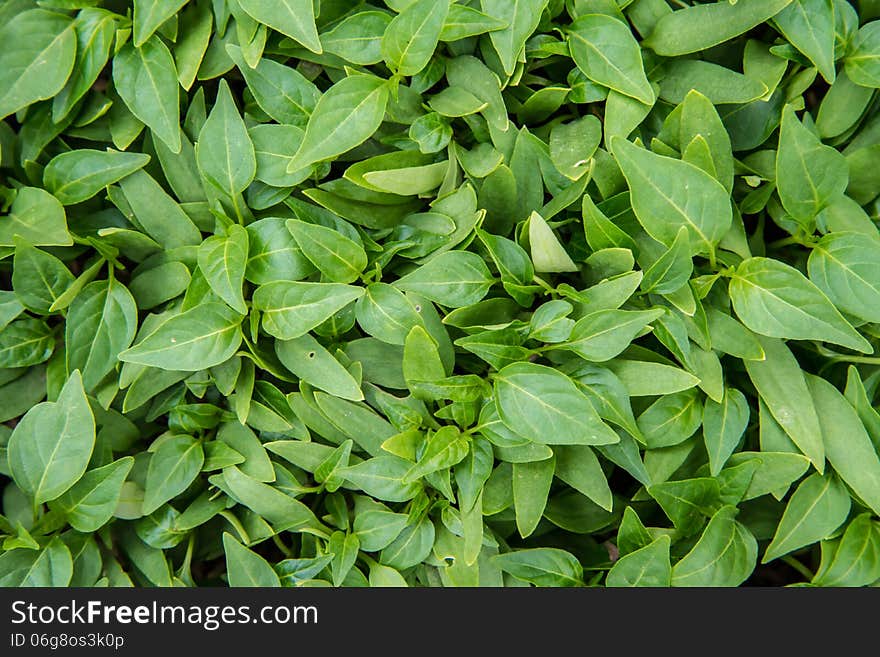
x=429, y=293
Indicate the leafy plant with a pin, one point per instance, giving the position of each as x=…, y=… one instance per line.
x=429, y=292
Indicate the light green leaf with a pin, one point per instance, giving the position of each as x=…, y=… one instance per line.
x=816, y=509
x=293, y=18
x=346, y=115
x=311, y=362
x=847, y=445
x=90, y=503
x=702, y=26
x=36, y=217
x=339, y=258
x=173, y=467
x=808, y=25
x=843, y=266
x=222, y=259
x=542, y=566
x=545, y=406
x=696, y=200
x=410, y=39
x=453, y=279
x=602, y=335
x=774, y=299
x=246, y=568
x=38, y=55
x=725, y=555
x=521, y=17
x=102, y=321
x=291, y=309
x=783, y=389
x=809, y=174
x=606, y=51
x=723, y=425
x=201, y=337
x=50, y=447
x=78, y=175
x=647, y=566
x=224, y=151
x=146, y=80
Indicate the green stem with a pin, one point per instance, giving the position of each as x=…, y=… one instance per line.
x=286, y=551
x=548, y=289
x=232, y=520
x=798, y=566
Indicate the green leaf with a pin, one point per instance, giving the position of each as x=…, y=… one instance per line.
x=102, y=322
x=776, y=300
x=410, y=39
x=89, y=504
x=311, y=362
x=224, y=151
x=842, y=266
x=146, y=79
x=52, y=566
x=222, y=259
x=246, y=568
x=816, y=509
x=150, y=14
x=687, y=502
x=647, y=566
x=521, y=18
x=201, y=337
x=345, y=116
x=608, y=54
x=50, y=447
x=387, y=314
x=173, y=467
x=782, y=387
x=672, y=270
x=281, y=510
x=809, y=174
x=36, y=217
x=339, y=258
x=464, y=21
x=282, y=92
x=602, y=335
x=723, y=425
x=291, y=309
x=293, y=18
x=863, y=57
x=545, y=406
x=241, y=439
x=542, y=566
x=847, y=445
x=578, y=466
x=808, y=25
x=443, y=449
x=548, y=255
x=702, y=26
x=78, y=175
x=273, y=254
x=25, y=342
x=357, y=38
x=856, y=561
x=697, y=201
x=725, y=555
x=38, y=55
x=157, y=213
x=454, y=279
x=382, y=477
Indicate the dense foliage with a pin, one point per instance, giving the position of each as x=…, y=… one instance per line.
x=417, y=292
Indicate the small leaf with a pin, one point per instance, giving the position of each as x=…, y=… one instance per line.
x=246, y=568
